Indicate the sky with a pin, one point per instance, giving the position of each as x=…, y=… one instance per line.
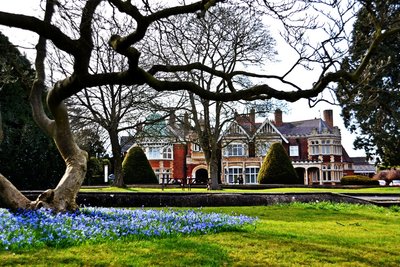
x=297, y=111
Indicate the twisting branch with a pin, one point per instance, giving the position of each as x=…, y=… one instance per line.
x=38, y=87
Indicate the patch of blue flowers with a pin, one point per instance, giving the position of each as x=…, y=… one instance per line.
x=39, y=228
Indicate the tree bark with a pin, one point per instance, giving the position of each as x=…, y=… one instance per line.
x=116, y=150
x=213, y=171
x=211, y=158
x=1, y=130
x=11, y=197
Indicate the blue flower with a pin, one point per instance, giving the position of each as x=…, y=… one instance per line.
x=29, y=229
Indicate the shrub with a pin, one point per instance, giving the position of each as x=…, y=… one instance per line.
x=393, y=175
x=387, y=175
x=277, y=167
x=358, y=180
x=136, y=168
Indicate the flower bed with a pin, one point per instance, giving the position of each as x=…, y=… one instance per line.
x=30, y=229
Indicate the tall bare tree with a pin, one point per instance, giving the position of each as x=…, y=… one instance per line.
x=77, y=44
x=116, y=108
x=226, y=38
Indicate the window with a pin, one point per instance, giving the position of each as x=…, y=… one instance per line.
x=251, y=175
x=314, y=148
x=294, y=151
x=153, y=153
x=326, y=173
x=163, y=175
x=326, y=147
x=167, y=153
x=159, y=152
x=234, y=150
x=196, y=148
x=232, y=174
x=262, y=149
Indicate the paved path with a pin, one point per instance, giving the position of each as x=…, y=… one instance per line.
x=385, y=200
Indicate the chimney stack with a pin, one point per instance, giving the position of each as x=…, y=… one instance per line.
x=328, y=117
x=172, y=117
x=252, y=115
x=278, y=118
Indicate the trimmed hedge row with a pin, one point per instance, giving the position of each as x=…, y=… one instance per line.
x=358, y=180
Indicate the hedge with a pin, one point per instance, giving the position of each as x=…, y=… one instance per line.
x=358, y=180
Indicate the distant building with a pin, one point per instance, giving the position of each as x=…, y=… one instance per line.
x=362, y=167
x=314, y=146
x=169, y=148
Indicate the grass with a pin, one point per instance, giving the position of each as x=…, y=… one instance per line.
x=297, y=234
x=372, y=190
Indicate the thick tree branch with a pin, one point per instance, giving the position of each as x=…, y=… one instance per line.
x=11, y=197
x=44, y=29
x=38, y=87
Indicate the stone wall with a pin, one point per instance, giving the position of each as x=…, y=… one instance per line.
x=201, y=200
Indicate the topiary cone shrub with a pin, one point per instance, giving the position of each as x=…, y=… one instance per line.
x=277, y=167
x=136, y=168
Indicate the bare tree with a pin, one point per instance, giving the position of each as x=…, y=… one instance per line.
x=116, y=108
x=77, y=44
x=226, y=38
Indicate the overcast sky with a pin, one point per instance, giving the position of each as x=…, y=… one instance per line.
x=298, y=110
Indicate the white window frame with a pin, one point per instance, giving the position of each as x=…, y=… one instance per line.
x=196, y=147
x=294, y=151
x=167, y=152
x=232, y=174
x=234, y=150
x=154, y=152
x=251, y=173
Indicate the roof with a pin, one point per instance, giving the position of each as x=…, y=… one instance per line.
x=360, y=160
x=364, y=168
x=251, y=128
x=361, y=165
x=305, y=127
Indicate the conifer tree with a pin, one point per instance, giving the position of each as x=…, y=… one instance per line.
x=136, y=169
x=277, y=167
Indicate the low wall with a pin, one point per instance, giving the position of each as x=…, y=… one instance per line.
x=201, y=199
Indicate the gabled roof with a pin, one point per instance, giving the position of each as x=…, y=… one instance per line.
x=305, y=127
x=267, y=127
x=236, y=129
x=244, y=126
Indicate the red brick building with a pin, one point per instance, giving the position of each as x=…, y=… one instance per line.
x=168, y=147
x=313, y=145
x=315, y=148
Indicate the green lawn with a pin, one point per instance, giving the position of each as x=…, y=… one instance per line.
x=373, y=190
x=320, y=234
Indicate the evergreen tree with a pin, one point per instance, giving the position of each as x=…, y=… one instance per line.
x=371, y=108
x=136, y=168
x=277, y=167
x=27, y=157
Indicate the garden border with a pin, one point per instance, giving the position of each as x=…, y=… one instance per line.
x=188, y=199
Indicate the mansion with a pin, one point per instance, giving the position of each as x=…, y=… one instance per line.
x=314, y=146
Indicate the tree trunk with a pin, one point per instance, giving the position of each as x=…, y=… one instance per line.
x=212, y=164
x=1, y=129
x=63, y=197
x=213, y=171
x=116, y=150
